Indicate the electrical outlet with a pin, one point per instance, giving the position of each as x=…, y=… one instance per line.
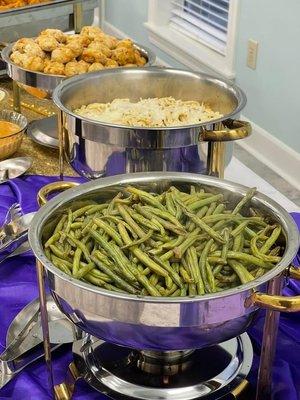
x=252, y=53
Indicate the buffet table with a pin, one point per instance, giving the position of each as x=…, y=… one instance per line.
x=18, y=287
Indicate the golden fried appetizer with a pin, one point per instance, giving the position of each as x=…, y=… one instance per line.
x=82, y=39
x=123, y=55
x=130, y=65
x=62, y=54
x=99, y=46
x=95, y=67
x=91, y=56
x=47, y=42
x=139, y=59
x=76, y=68
x=34, y=63
x=56, y=33
x=20, y=44
x=76, y=47
x=127, y=43
x=33, y=49
x=91, y=31
x=109, y=41
x=18, y=58
x=54, y=68
x=111, y=63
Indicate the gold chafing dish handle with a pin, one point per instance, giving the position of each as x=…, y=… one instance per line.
x=277, y=303
x=53, y=187
x=233, y=130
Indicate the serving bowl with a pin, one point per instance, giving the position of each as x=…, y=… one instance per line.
x=46, y=83
x=11, y=143
x=96, y=149
x=161, y=323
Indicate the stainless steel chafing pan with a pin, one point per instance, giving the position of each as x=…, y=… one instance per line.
x=95, y=149
x=162, y=323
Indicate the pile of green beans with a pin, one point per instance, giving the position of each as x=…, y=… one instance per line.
x=169, y=244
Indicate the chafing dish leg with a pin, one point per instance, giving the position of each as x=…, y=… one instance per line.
x=65, y=390
x=264, y=382
x=45, y=327
x=78, y=16
x=61, y=144
x=16, y=97
x=216, y=159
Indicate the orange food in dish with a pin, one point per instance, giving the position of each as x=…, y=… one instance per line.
x=8, y=128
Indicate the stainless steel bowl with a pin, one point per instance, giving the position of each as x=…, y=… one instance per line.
x=95, y=149
x=160, y=323
x=47, y=82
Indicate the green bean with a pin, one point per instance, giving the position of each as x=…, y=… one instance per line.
x=244, y=201
x=183, y=291
x=61, y=266
x=67, y=263
x=202, y=266
x=76, y=261
x=211, y=209
x=191, y=225
x=146, y=197
x=153, y=279
x=241, y=271
x=130, y=221
x=116, y=255
x=170, y=204
x=138, y=242
x=98, y=282
x=257, y=253
x=60, y=224
x=192, y=289
x=185, y=275
x=238, y=242
x=166, y=265
x=57, y=251
x=218, y=269
x=84, y=270
x=117, y=279
x=271, y=240
x=219, y=209
x=144, y=258
x=151, y=289
x=54, y=238
x=144, y=221
x=82, y=210
x=165, y=215
x=203, y=202
x=189, y=241
x=210, y=277
x=110, y=231
x=177, y=293
x=215, y=235
x=80, y=245
x=100, y=275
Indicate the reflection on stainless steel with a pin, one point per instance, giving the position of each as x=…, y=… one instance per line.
x=24, y=338
x=112, y=370
x=49, y=82
x=96, y=149
x=44, y=131
x=155, y=323
x=16, y=166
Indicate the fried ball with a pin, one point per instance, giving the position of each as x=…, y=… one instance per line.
x=95, y=67
x=91, y=56
x=34, y=63
x=76, y=47
x=91, y=31
x=99, y=46
x=56, y=33
x=20, y=44
x=130, y=65
x=18, y=58
x=123, y=56
x=62, y=54
x=47, y=42
x=82, y=39
x=127, y=43
x=139, y=59
x=54, y=68
x=111, y=64
x=109, y=41
x=76, y=68
x=33, y=49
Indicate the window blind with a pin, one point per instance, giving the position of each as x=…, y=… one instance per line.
x=203, y=20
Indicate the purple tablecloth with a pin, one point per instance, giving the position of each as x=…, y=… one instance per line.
x=18, y=287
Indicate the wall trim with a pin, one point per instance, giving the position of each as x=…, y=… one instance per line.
x=272, y=152
x=112, y=30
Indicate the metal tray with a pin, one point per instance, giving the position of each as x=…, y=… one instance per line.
x=30, y=20
x=48, y=82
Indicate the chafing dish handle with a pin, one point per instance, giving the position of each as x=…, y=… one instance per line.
x=53, y=187
x=233, y=130
x=277, y=303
